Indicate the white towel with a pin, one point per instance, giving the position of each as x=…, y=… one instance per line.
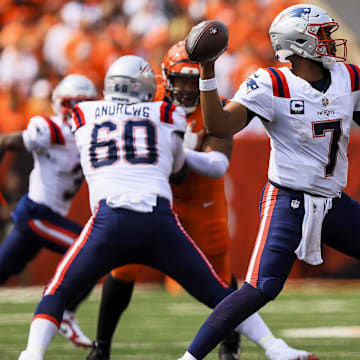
x=133, y=201
x=309, y=249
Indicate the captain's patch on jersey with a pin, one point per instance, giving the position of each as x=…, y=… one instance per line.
x=297, y=107
x=251, y=85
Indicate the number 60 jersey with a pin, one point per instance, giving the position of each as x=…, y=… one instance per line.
x=309, y=129
x=128, y=152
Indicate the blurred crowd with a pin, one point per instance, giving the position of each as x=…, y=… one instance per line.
x=43, y=40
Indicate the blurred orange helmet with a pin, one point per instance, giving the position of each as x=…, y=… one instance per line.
x=176, y=63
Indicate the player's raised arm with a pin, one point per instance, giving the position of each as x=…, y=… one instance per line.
x=204, y=44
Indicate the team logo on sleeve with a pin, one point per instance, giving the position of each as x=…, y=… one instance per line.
x=297, y=107
x=251, y=85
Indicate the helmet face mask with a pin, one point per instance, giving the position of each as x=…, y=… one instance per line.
x=326, y=45
x=72, y=89
x=129, y=80
x=181, y=76
x=306, y=30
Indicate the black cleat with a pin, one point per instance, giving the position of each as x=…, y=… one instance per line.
x=230, y=347
x=99, y=351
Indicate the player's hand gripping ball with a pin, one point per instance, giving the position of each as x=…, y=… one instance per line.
x=207, y=40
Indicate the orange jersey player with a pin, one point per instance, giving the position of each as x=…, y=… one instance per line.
x=201, y=205
x=200, y=200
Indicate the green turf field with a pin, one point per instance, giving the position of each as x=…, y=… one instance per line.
x=323, y=318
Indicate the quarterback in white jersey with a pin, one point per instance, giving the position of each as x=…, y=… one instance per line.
x=309, y=129
x=307, y=112
x=39, y=218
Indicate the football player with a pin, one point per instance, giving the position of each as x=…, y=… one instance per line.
x=307, y=111
x=40, y=216
x=129, y=146
x=200, y=203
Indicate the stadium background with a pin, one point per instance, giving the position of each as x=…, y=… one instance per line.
x=43, y=40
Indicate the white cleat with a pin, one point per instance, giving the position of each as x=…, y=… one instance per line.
x=71, y=331
x=27, y=355
x=278, y=349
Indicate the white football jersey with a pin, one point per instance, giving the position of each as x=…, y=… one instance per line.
x=309, y=129
x=57, y=174
x=127, y=151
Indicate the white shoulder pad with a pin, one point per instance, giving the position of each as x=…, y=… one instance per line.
x=255, y=93
x=172, y=115
x=38, y=133
x=352, y=72
x=179, y=118
x=78, y=114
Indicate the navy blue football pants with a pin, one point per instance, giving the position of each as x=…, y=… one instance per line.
x=36, y=227
x=280, y=231
x=116, y=236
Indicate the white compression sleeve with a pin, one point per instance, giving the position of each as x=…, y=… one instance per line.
x=211, y=164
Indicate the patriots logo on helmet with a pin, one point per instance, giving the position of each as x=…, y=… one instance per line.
x=300, y=12
x=251, y=85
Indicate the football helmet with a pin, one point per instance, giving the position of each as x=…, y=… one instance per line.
x=129, y=80
x=71, y=90
x=305, y=30
x=176, y=63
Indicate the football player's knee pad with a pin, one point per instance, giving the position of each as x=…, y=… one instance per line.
x=271, y=287
x=127, y=273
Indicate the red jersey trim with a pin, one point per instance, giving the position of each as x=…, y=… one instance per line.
x=280, y=85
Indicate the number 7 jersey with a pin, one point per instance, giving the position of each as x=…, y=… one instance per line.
x=127, y=150
x=309, y=129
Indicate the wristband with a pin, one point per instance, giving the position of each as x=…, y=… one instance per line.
x=208, y=84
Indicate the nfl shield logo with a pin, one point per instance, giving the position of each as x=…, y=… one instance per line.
x=295, y=204
x=325, y=102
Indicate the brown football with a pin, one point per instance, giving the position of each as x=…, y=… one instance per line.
x=207, y=40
